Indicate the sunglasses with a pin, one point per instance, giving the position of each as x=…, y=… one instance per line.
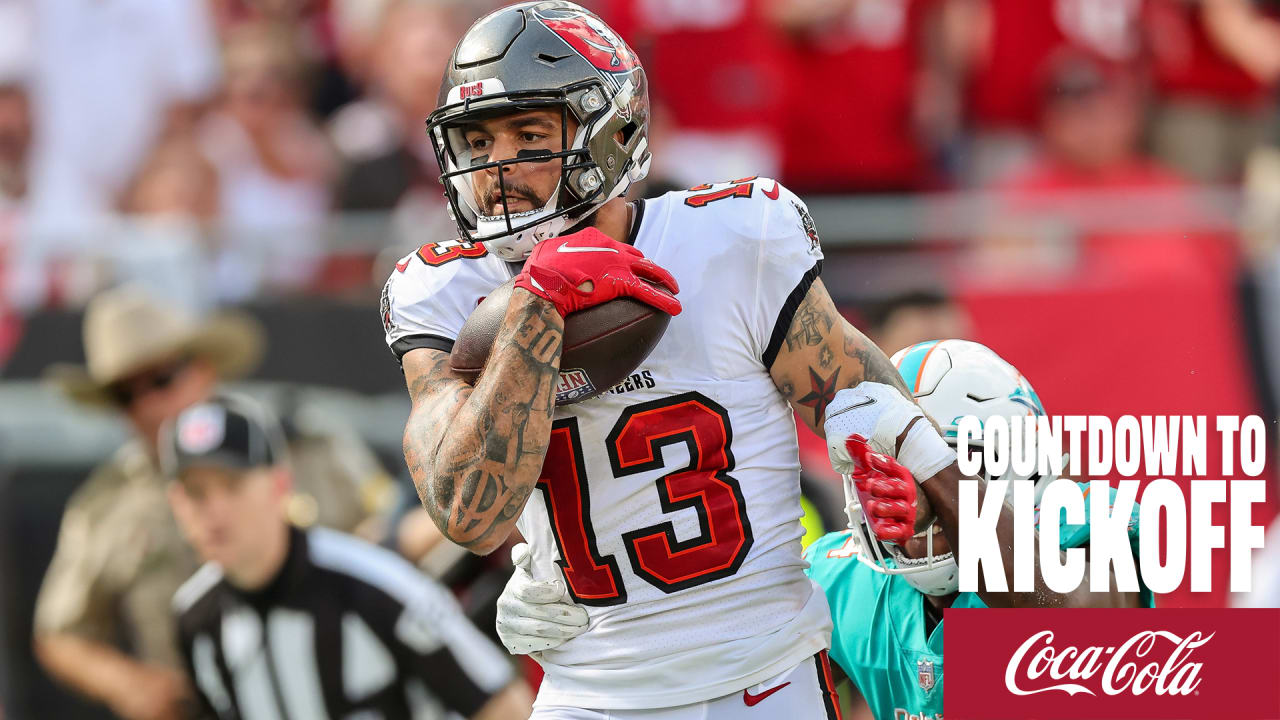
x=127, y=391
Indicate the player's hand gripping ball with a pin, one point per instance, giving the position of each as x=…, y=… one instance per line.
x=886, y=491
x=588, y=268
x=618, y=306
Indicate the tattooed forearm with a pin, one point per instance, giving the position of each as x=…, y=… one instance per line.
x=475, y=453
x=825, y=354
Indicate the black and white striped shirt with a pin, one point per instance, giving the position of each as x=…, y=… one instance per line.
x=346, y=630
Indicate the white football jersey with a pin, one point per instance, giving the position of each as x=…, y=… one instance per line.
x=669, y=504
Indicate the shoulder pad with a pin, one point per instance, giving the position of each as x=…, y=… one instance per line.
x=752, y=206
x=433, y=289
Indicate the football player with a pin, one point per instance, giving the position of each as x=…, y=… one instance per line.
x=667, y=511
x=887, y=600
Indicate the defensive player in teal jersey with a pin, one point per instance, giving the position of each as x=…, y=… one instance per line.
x=887, y=601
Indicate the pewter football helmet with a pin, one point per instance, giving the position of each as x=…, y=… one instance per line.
x=539, y=55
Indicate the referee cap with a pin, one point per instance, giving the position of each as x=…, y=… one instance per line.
x=228, y=431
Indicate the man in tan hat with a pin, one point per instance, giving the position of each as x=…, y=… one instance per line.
x=120, y=556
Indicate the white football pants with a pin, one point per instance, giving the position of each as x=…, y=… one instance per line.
x=805, y=692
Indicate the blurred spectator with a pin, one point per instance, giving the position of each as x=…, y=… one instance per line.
x=316, y=33
x=109, y=78
x=381, y=137
x=718, y=67
x=1067, y=203
x=851, y=119
x=406, y=650
x=15, y=142
x=915, y=316
x=1261, y=284
x=355, y=26
x=230, y=12
x=176, y=182
x=1003, y=45
x=1215, y=64
x=160, y=240
x=273, y=164
x=120, y=557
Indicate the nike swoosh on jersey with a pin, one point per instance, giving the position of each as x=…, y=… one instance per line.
x=841, y=411
x=771, y=195
x=571, y=249
x=751, y=700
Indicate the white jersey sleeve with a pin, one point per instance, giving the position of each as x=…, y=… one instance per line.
x=433, y=290
x=790, y=260
x=778, y=255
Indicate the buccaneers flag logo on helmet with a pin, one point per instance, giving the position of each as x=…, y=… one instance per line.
x=591, y=38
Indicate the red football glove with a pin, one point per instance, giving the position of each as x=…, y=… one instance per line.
x=559, y=266
x=886, y=490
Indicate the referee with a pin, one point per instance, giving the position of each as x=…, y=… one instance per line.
x=286, y=624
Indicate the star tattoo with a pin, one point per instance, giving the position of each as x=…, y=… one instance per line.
x=821, y=393
x=825, y=356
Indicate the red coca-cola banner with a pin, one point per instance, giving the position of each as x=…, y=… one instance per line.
x=1163, y=663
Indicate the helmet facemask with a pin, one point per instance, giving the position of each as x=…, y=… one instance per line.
x=931, y=574
x=950, y=379
x=583, y=186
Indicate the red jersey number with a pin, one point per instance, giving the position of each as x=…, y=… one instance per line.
x=737, y=188
x=439, y=253
x=635, y=445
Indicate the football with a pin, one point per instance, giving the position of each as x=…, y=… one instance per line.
x=602, y=344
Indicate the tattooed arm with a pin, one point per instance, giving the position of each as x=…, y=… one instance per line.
x=823, y=355
x=475, y=453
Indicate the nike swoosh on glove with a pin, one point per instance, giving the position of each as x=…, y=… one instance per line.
x=536, y=615
x=559, y=269
x=878, y=413
x=886, y=491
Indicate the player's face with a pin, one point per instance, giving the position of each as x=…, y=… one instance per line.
x=521, y=135
x=918, y=547
x=229, y=515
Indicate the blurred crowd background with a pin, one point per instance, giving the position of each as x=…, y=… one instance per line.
x=1089, y=187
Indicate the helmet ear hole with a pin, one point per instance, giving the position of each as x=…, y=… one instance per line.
x=627, y=132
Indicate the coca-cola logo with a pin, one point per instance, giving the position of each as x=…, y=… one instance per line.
x=1156, y=660
x=1142, y=664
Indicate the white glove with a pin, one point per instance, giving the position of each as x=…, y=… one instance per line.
x=536, y=615
x=879, y=413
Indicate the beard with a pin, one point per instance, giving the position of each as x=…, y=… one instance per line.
x=494, y=206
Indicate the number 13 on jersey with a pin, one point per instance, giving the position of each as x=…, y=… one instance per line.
x=635, y=445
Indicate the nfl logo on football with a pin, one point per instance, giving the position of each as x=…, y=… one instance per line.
x=573, y=384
